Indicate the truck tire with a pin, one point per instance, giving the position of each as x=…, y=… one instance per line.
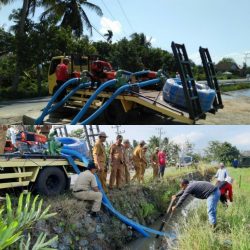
x=51, y=181
x=115, y=113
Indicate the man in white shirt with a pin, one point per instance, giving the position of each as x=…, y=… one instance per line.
x=221, y=174
x=86, y=188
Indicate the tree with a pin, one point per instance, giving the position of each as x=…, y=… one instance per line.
x=70, y=13
x=223, y=152
x=78, y=133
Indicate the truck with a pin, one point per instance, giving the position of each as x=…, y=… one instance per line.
x=143, y=100
x=46, y=175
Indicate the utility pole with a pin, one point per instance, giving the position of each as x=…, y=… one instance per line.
x=118, y=131
x=91, y=132
x=160, y=132
x=247, y=56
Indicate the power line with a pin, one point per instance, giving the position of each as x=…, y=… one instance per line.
x=98, y=32
x=124, y=13
x=113, y=17
x=118, y=131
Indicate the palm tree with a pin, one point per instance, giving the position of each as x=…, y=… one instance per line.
x=141, y=39
x=70, y=13
x=27, y=7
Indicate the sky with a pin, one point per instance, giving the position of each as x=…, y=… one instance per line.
x=237, y=135
x=220, y=25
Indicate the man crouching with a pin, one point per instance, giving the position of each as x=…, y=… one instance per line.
x=86, y=188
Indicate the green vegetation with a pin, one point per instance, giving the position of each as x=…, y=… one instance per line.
x=234, y=87
x=233, y=229
x=14, y=222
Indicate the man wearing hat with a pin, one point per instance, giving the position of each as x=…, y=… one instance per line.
x=222, y=173
x=100, y=159
x=117, y=163
x=127, y=160
x=86, y=188
x=138, y=160
x=154, y=162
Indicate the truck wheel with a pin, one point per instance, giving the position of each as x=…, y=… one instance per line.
x=51, y=181
x=115, y=113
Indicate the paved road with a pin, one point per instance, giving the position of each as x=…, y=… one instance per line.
x=13, y=111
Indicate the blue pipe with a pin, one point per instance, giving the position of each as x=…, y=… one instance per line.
x=65, y=99
x=71, y=162
x=115, y=94
x=140, y=73
x=76, y=154
x=39, y=120
x=91, y=99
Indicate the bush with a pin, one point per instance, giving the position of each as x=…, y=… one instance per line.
x=13, y=223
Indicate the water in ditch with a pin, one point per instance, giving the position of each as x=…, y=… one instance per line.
x=172, y=226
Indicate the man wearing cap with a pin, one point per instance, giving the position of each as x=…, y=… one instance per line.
x=127, y=160
x=154, y=162
x=100, y=159
x=221, y=174
x=117, y=163
x=138, y=160
x=200, y=190
x=86, y=188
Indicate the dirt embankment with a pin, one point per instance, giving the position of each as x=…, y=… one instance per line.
x=77, y=230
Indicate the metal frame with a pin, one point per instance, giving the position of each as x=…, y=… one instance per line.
x=186, y=74
x=210, y=72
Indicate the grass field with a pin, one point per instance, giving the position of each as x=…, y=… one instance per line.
x=233, y=229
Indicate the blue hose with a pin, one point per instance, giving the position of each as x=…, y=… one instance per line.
x=39, y=120
x=115, y=94
x=65, y=99
x=91, y=99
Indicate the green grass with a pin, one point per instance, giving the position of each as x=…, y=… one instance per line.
x=234, y=87
x=233, y=229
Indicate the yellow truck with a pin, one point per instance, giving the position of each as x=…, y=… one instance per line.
x=142, y=100
x=47, y=175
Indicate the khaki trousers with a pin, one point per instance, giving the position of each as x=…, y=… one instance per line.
x=155, y=170
x=90, y=196
x=117, y=175
x=127, y=174
x=138, y=171
x=102, y=175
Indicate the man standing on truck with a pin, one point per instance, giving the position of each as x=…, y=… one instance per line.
x=117, y=163
x=62, y=75
x=86, y=188
x=100, y=159
x=200, y=190
x=154, y=162
x=138, y=160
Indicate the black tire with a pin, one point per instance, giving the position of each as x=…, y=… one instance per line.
x=115, y=113
x=51, y=181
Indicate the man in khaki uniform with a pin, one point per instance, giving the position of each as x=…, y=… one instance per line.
x=99, y=156
x=86, y=188
x=144, y=162
x=127, y=160
x=117, y=163
x=154, y=162
x=138, y=161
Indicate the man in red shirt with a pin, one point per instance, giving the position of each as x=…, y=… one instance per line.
x=226, y=190
x=62, y=75
x=162, y=155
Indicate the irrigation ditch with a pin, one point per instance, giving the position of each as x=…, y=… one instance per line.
x=145, y=204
